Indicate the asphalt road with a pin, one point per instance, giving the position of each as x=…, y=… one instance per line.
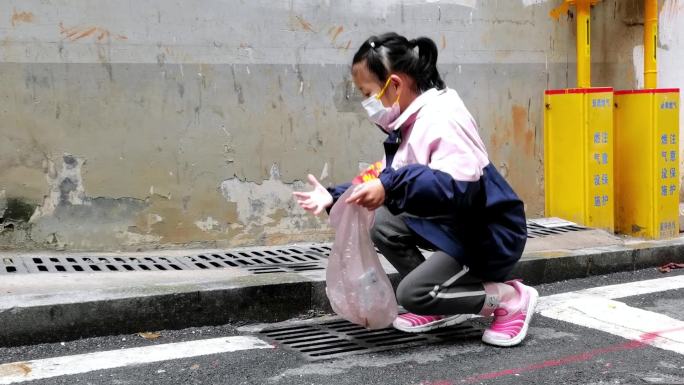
x=560, y=349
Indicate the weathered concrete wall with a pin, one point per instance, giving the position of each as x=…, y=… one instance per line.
x=155, y=123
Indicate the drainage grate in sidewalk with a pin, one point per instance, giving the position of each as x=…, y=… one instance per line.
x=324, y=250
x=11, y=266
x=99, y=264
x=291, y=268
x=537, y=231
x=263, y=261
x=256, y=261
x=339, y=338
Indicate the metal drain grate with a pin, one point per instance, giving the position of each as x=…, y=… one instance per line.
x=537, y=231
x=263, y=261
x=326, y=250
x=100, y=264
x=323, y=250
x=256, y=261
x=11, y=266
x=339, y=338
x=291, y=268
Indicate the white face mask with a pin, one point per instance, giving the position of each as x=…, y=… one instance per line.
x=378, y=113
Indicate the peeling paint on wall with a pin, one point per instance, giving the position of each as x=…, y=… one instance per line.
x=66, y=186
x=268, y=211
x=207, y=224
x=258, y=203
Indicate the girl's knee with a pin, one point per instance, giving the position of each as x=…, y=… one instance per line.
x=409, y=296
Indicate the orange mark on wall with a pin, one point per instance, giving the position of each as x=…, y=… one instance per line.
x=523, y=136
x=79, y=32
x=84, y=33
x=501, y=136
x=21, y=17
x=336, y=32
x=305, y=24
x=559, y=10
x=513, y=151
x=443, y=41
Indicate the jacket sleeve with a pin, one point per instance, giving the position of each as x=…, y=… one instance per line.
x=336, y=192
x=420, y=190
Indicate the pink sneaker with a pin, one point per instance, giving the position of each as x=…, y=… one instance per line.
x=512, y=318
x=414, y=323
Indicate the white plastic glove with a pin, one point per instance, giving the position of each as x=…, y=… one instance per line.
x=314, y=201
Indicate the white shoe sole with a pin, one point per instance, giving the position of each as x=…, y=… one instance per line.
x=443, y=323
x=531, y=305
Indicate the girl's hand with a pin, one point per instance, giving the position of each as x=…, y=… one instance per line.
x=314, y=201
x=370, y=195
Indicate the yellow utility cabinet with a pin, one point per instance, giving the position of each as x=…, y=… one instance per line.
x=647, y=162
x=578, y=156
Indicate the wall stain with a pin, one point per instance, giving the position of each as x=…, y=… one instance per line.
x=79, y=32
x=512, y=149
x=103, y=55
x=237, y=87
x=336, y=33
x=176, y=223
x=522, y=135
x=305, y=25
x=21, y=17
x=17, y=210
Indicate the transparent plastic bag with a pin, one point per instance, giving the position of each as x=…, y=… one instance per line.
x=357, y=285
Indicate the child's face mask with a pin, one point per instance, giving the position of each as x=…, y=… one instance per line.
x=377, y=112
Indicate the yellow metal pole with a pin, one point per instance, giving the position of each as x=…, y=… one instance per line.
x=583, y=43
x=650, y=44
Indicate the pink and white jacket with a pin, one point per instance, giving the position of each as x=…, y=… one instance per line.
x=438, y=177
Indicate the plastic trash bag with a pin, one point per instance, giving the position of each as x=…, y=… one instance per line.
x=357, y=285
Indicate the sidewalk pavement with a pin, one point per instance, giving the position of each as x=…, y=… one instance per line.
x=57, y=306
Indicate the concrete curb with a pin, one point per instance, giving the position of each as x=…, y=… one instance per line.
x=244, y=298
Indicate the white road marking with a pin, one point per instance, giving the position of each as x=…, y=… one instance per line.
x=83, y=363
x=619, y=319
x=596, y=309
x=614, y=291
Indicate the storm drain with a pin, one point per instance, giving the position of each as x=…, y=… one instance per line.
x=324, y=250
x=256, y=261
x=538, y=231
x=332, y=339
x=98, y=264
x=263, y=261
x=11, y=266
